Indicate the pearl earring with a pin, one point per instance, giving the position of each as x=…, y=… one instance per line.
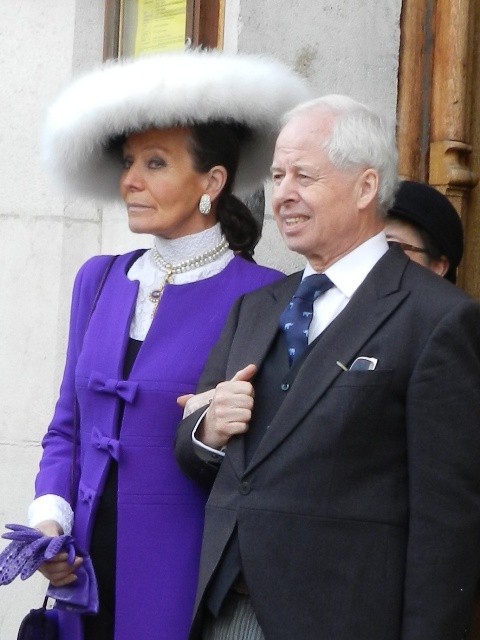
x=205, y=204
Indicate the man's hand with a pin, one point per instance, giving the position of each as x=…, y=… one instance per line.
x=57, y=570
x=230, y=410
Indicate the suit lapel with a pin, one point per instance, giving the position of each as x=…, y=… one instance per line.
x=372, y=304
x=258, y=334
x=261, y=327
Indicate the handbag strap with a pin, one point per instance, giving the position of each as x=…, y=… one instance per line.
x=99, y=290
x=73, y=477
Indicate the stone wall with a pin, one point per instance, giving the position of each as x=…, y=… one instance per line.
x=348, y=47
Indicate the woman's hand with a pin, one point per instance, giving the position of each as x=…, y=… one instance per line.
x=230, y=410
x=49, y=528
x=191, y=401
x=57, y=570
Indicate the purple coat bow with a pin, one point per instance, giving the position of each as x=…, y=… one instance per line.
x=30, y=548
x=125, y=389
x=104, y=443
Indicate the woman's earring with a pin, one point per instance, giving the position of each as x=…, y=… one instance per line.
x=205, y=204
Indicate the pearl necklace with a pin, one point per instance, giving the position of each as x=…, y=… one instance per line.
x=186, y=265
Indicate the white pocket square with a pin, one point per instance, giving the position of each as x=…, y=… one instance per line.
x=363, y=363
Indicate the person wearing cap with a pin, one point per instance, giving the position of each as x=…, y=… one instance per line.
x=178, y=137
x=425, y=224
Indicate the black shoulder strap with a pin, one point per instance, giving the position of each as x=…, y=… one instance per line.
x=99, y=289
x=73, y=483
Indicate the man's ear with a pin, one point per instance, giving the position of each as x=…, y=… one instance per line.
x=439, y=265
x=367, y=188
x=216, y=179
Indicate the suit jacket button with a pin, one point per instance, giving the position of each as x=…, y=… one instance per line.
x=285, y=386
x=244, y=488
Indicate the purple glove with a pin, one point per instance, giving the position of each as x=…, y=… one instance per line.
x=80, y=596
x=30, y=548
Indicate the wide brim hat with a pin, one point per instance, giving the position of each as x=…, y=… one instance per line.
x=161, y=91
x=425, y=206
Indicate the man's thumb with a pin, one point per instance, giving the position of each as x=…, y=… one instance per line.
x=245, y=374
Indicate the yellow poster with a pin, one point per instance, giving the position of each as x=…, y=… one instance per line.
x=160, y=25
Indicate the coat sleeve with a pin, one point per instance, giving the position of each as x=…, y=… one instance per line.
x=213, y=373
x=443, y=440
x=57, y=465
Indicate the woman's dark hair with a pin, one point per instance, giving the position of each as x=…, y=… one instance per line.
x=218, y=143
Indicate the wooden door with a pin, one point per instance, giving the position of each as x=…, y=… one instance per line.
x=438, y=128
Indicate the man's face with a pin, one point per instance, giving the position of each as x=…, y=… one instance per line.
x=316, y=205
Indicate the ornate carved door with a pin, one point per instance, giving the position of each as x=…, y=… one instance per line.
x=438, y=127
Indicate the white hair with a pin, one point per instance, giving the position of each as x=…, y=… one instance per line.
x=359, y=137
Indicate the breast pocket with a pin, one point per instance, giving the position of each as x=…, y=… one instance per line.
x=365, y=379
x=363, y=401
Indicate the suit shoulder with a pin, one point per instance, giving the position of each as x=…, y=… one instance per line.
x=429, y=287
x=433, y=301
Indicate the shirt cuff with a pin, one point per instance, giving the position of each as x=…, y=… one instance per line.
x=51, y=507
x=203, y=451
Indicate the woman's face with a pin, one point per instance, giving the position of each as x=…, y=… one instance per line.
x=407, y=236
x=398, y=230
x=160, y=186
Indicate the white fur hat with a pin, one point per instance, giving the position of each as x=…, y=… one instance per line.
x=164, y=90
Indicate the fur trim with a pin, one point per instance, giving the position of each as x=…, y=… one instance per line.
x=163, y=90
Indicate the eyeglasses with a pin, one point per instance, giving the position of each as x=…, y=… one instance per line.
x=407, y=247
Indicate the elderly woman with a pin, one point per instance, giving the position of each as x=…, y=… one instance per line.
x=176, y=134
x=425, y=224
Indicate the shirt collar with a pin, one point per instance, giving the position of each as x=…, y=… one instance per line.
x=348, y=273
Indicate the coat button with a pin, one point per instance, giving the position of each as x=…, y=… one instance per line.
x=244, y=488
x=285, y=386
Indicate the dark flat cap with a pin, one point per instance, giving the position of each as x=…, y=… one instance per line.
x=429, y=209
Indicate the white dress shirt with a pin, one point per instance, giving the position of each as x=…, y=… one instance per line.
x=347, y=274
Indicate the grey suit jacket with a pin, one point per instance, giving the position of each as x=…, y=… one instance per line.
x=359, y=514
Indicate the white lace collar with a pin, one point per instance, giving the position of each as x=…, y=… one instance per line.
x=173, y=251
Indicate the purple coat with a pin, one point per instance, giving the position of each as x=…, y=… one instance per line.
x=160, y=511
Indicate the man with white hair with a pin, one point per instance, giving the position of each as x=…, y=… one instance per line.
x=341, y=440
